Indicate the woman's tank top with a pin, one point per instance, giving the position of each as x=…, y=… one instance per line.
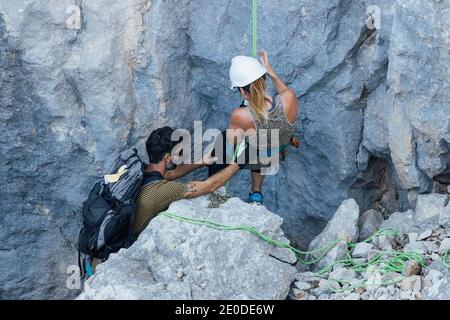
x=277, y=120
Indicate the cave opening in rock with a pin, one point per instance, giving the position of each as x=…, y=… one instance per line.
x=378, y=188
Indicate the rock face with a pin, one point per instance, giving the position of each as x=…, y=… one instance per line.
x=82, y=80
x=176, y=260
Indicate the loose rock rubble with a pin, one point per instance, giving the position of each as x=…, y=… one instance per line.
x=422, y=235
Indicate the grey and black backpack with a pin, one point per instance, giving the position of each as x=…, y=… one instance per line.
x=109, y=212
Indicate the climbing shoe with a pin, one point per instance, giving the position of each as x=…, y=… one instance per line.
x=256, y=197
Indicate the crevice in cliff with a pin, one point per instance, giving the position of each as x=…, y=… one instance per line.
x=332, y=74
x=83, y=21
x=377, y=188
x=78, y=99
x=335, y=14
x=365, y=35
x=444, y=177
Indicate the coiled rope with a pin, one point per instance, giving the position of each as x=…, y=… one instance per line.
x=389, y=261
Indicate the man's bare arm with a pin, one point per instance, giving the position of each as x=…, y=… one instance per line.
x=181, y=171
x=184, y=169
x=200, y=188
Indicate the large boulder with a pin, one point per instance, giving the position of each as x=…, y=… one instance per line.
x=344, y=227
x=402, y=222
x=429, y=207
x=178, y=260
x=444, y=218
x=369, y=223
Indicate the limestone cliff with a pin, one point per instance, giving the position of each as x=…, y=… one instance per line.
x=81, y=80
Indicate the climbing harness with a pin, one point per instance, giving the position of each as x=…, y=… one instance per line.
x=277, y=150
x=390, y=261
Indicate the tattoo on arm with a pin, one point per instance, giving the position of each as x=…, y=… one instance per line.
x=199, y=188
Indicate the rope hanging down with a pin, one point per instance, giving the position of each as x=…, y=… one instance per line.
x=255, y=27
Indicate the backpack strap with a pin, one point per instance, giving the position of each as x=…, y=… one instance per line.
x=151, y=178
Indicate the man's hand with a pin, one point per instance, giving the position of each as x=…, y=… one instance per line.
x=192, y=187
x=200, y=188
x=208, y=159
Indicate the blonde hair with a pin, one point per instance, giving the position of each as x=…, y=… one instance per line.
x=258, y=99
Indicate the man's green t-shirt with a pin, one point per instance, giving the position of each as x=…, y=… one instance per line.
x=154, y=199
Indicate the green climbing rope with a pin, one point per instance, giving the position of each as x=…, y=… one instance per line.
x=445, y=259
x=254, y=51
x=255, y=27
x=390, y=261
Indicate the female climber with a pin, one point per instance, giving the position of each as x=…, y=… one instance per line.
x=261, y=111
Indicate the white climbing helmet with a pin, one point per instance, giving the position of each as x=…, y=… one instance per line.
x=245, y=70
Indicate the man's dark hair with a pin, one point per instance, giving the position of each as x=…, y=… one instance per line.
x=159, y=143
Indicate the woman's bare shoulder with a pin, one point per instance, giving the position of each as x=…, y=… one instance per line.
x=241, y=118
x=290, y=104
x=240, y=112
x=290, y=96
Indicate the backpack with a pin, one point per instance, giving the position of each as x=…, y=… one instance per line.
x=109, y=211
